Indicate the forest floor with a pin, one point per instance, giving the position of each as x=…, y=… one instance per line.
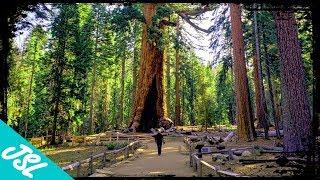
x=148, y=163
x=174, y=160
x=63, y=155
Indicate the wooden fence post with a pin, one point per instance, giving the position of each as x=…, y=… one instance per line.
x=199, y=166
x=78, y=169
x=104, y=159
x=117, y=136
x=132, y=149
x=190, y=155
x=114, y=158
x=193, y=163
x=127, y=152
x=91, y=165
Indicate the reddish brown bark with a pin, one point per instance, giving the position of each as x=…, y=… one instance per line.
x=259, y=97
x=244, y=116
x=295, y=106
x=316, y=70
x=168, y=77
x=148, y=104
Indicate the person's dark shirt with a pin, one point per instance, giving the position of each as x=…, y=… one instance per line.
x=158, y=137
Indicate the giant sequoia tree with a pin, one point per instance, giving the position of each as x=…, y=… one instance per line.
x=245, y=128
x=149, y=104
x=148, y=110
x=295, y=105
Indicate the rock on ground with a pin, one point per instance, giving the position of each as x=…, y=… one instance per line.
x=246, y=153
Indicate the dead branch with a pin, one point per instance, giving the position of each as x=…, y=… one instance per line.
x=187, y=19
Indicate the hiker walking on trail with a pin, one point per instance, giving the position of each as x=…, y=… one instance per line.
x=159, y=139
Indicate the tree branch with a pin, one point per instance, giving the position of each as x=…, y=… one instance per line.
x=187, y=16
x=187, y=19
x=167, y=23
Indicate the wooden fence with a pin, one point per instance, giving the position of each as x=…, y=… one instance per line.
x=109, y=136
x=89, y=164
x=197, y=164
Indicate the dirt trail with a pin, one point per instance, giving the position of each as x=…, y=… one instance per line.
x=170, y=163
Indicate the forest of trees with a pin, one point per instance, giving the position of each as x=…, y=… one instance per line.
x=99, y=67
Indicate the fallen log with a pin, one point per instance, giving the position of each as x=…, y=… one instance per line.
x=229, y=136
x=269, y=148
x=230, y=174
x=270, y=133
x=281, y=160
x=227, y=150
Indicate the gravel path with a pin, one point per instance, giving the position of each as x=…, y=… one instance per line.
x=147, y=163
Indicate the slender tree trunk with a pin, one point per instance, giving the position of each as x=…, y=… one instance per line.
x=57, y=96
x=60, y=61
x=93, y=85
x=123, y=69
x=270, y=87
x=183, y=107
x=149, y=104
x=261, y=106
x=177, y=91
x=135, y=67
x=115, y=100
x=296, y=109
x=30, y=90
x=245, y=130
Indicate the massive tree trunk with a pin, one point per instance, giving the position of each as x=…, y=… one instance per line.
x=168, y=77
x=316, y=70
x=149, y=105
x=261, y=106
x=232, y=106
x=244, y=116
x=177, y=119
x=295, y=110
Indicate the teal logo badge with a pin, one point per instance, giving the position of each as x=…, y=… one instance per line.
x=21, y=160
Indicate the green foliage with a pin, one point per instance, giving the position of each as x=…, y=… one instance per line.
x=122, y=16
x=83, y=36
x=225, y=95
x=155, y=33
x=29, y=63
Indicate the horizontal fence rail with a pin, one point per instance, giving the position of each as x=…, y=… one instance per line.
x=197, y=163
x=110, y=136
x=125, y=151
